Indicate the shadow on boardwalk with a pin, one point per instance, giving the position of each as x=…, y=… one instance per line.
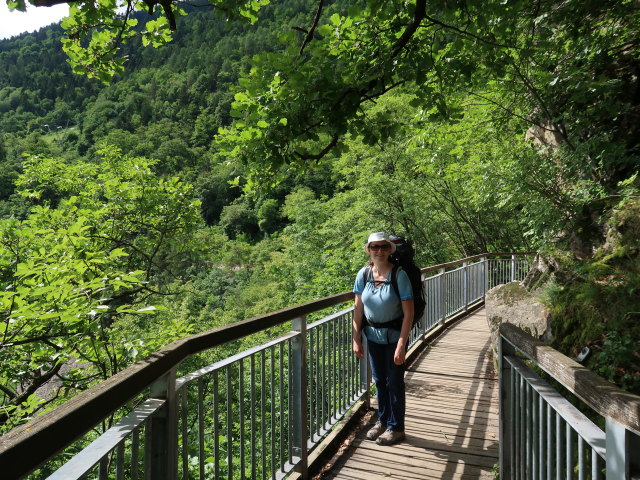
x=452, y=415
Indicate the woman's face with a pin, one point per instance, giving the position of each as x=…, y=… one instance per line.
x=379, y=250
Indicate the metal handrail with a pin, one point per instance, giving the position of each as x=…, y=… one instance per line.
x=43, y=437
x=543, y=433
x=29, y=446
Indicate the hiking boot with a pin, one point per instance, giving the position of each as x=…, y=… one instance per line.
x=390, y=437
x=375, y=431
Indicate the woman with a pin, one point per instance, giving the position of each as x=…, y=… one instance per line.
x=386, y=322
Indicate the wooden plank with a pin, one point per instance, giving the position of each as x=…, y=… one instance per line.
x=451, y=420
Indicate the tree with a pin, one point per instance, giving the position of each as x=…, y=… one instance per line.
x=56, y=285
x=96, y=31
x=72, y=276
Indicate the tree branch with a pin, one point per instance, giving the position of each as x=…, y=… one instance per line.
x=311, y=31
x=419, y=14
x=322, y=153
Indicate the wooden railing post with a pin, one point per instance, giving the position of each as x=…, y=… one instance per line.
x=162, y=450
x=506, y=422
x=299, y=394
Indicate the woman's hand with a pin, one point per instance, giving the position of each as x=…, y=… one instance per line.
x=399, y=355
x=357, y=348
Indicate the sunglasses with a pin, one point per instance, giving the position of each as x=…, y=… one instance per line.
x=375, y=247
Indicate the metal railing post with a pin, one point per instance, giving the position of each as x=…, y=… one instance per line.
x=465, y=284
x=365, y=372
x=506, y=422
x=513, y=268
x=423, y=320
x=485, y=275
x=622, y=451
x=443, y=311
x=299, y=391
x=162, y=452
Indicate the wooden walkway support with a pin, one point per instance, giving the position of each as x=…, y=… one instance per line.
x=452, y=415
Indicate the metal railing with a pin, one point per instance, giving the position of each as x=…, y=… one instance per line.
x=255, y=415
x=543, y=435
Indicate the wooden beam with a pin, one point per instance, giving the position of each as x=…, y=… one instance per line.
x=603, y=396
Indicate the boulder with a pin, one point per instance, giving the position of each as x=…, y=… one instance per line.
x=515, y=304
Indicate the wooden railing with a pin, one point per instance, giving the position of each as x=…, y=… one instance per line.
x=543, y=435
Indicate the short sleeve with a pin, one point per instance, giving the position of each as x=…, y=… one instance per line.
x=358, y=286
x=404, y=286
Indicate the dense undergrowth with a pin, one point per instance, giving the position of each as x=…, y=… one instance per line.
x=595, y=302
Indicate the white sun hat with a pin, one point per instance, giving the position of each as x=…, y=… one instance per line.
x=379, y=237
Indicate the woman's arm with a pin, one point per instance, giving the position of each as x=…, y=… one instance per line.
x=358, y=315
x=407, y=322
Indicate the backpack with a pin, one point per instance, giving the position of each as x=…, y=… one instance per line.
x=403, y=258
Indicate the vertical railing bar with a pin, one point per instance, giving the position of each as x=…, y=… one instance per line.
x=241, y=413
x=312, y=384
x=216, y=428
x=581, y=467
x=541, y=435
x=281, y=398
x=527, y=435
x=273, y=413
x=252, y=376
x=523, y=428
x=263, y=414
x=349, y=359
x=339, y=372
x=318, y=383
x=569, y=447
x=103, y=468
x=512, y=416
x=200, y=426
x=324, y=376
x=340, y=365
x=135, y=452
x=535, y=453
x=184, y=432
x=290, y=401
x=596, y=465
x=558, y=447
x=441, y=298
x=120, y=461
x=229, y=424
x=299, y=381
x=516, y=446
x=549, y=441
x=147, y=450
x=334, y=373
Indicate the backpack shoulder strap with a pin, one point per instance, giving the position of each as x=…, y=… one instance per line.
x=394, y=279
x=367, y=274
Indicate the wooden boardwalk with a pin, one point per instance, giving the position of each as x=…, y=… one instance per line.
x=452, y=415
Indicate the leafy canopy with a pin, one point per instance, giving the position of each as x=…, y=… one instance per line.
x=97, y=30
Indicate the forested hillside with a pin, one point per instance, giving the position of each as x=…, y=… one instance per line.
x=238, y=169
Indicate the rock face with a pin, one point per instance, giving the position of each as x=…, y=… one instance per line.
x=514, y=303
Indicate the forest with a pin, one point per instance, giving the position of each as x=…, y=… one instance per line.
x=163, y=175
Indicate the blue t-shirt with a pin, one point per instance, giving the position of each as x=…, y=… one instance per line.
x=381, y=304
